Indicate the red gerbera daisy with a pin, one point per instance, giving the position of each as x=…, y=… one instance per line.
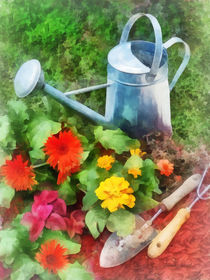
x=64, y=151
x=18, y=174
x=51, y=256
x=166, y=168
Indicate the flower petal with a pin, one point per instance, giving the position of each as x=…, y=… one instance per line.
x=34, y=223
x=46, y=197
x=75, y=223
x=36, y=229
x=59, y=207
x=41, y=211
x=27, y=219
x=55, y=222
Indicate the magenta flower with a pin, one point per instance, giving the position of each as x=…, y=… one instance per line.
x=59, y=207
x=35, y=220
x=46, y=197
x=55, y=222
x=50, y=211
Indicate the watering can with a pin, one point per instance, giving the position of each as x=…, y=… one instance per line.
x=137, y=88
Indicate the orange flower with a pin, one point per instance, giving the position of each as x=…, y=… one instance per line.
x=135, y=172
x=51, y=256
x=137, y=152
x=64, y=151
x=105, y=162
x=166, y=168
x=18, y=174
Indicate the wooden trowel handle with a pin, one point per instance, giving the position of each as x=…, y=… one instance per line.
x=163, y=239
x=189, y=185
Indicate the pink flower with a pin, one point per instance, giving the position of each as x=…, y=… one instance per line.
x=46, y=197
x=55, y=222
x=59, y=207
x=35, y=220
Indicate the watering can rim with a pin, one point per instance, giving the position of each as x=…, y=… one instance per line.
x=135, y=70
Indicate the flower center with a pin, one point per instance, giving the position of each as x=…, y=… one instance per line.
x=51, y=259
x=20, y=170
x=63, y=148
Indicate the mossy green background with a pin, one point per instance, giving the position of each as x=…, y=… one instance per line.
x=72, y=38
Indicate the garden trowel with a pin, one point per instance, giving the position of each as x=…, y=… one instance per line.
x=118, y=250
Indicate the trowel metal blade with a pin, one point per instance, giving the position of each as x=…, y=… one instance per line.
x=118, y=250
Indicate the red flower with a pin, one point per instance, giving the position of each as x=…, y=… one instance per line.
x=165, y=167
x=18, y=174
x=51, y=256
x=75, y=223
x=64, y=151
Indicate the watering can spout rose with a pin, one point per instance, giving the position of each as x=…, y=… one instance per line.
x=137, y=88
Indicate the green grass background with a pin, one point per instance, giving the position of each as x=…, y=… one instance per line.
x=72, y=38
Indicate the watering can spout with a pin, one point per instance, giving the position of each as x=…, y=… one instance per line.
x=30, y=77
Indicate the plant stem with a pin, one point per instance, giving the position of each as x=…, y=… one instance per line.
x=40, y=165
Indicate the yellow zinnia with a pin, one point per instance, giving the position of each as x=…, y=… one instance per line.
x=137, y=152
x=116, y=192
x=105, y=162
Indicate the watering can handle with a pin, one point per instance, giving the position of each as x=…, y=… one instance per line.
x=185, y=60
x=158, y=40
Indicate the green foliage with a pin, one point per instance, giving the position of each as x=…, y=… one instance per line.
x=67, y=193
x=39, y=129
x=122, y=222
x=116, y=140
x=75, y=271
x=63, y=239
x=7, y=141
x=149, y=182
x=96, y=219
x=133, y=162
x=6, y=195
x=25, y=268
x=8, y=245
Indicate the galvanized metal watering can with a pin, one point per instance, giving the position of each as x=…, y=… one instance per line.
x=138, y=91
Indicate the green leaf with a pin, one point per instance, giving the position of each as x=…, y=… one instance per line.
x=95, y=220
x=115, y=139
x=67, y=193
x=75, y=271
x=90, y=176
x=71, y=246
x=26, y=245
x=149, y=182
x=6, y=195
x=6, y=134
x=89, y=199
x=143, y=203
x=38, y=132
x=3, y=156
x=4, y=127
x=17, y=112
x=48, y=276
x=9, y=245
x=85, y=155
x=36, y=154
x=134, y=162
x=25, y=268
x=17, y=109
x=122, y=222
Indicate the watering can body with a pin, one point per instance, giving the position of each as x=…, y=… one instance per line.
x=138, y=100
x=137, y=88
